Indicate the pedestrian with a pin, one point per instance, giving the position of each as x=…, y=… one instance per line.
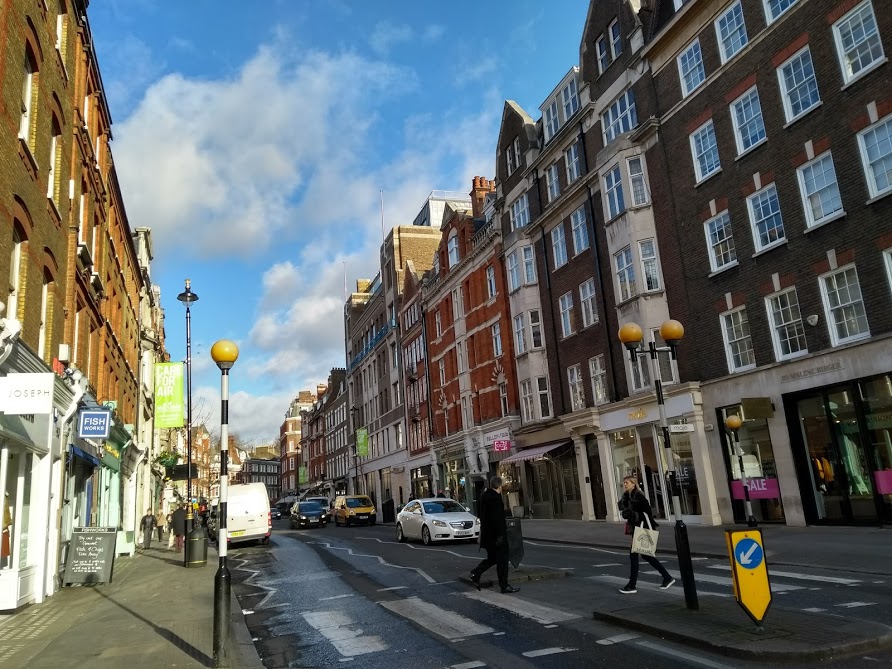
x=160, y=522
x=178, y=526
x=171, y=538
x=635, y=508
x=147, y=525
x=493, y=535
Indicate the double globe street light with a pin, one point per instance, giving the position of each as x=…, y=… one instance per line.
x=671, y=332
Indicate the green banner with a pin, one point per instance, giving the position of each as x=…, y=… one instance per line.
x=362, y=442
x=302, y=475
x=169, y=394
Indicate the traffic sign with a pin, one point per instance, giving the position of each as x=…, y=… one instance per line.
x=749, y=571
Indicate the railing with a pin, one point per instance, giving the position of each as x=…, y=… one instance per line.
x=379, y=335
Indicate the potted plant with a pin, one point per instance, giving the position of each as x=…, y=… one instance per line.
x=167, y=458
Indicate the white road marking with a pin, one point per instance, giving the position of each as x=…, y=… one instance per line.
x=677, y=591
x=664, y=650
x=377, y=557
x=549, y=627
x=438, y=620
x=608, y=564
x=468, y=665
x=498, y=633
x=341, y=631
x=441, y=583
x=325, y=599
x=525, y=609
x=855, y=605
x=798, y=576
x=548, y=651
x=395, y=587
x=585, y=548
x=724, y=580
x=619, y=638
x=814, y=609
x=421, y=548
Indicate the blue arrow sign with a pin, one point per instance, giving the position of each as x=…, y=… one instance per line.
x=748, y=553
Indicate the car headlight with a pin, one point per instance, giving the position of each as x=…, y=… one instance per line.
x=476, y=521
x=439, y=523
x=351, y=512
x=303, y=517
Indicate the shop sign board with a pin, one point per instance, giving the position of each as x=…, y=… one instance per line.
x=26, y=393
x=749, y=572
x=362, y=442
x=94, y=423
x=169, y=394
x=500, y=440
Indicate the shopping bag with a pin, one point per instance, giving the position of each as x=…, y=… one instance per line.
x=644, y=540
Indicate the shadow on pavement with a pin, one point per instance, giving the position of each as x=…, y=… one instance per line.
x=161, y=558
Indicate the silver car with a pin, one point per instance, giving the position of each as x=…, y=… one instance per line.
x=436, y=519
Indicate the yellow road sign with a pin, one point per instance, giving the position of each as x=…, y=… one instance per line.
x=749, y=571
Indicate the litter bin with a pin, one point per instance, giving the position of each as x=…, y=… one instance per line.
x=515, y=541
x=388, y=515
x=195, y=551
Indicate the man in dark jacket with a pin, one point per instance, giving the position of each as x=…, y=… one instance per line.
x=178, y=527
x=493, y=535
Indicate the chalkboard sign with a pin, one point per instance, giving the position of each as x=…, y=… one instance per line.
x=91, y=555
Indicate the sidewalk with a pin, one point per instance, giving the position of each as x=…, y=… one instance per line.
x=155, y=614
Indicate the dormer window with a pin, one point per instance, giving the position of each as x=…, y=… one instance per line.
x=570, y=98
x=452, y=250
x=559, y=109
x=513, y=156
x=552, y=123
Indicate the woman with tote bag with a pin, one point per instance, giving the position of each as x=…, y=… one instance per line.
x=635, y=508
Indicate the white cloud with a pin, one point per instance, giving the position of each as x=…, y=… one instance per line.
x=476, y=70
x=386, y=34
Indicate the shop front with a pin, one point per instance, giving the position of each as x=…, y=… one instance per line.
x=420, y=481
x=548, y=479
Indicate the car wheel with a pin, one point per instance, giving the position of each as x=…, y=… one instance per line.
x=371, y=522
x=346, y=522
x=426, y=536
x=399, y=534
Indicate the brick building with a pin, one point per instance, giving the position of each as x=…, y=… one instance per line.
x=290, y=444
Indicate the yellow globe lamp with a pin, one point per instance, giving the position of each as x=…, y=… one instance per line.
x=671, y=331
x=224, y=353
x=733, y=423
x=631, y=335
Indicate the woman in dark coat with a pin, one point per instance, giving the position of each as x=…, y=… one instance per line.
x=635, y=508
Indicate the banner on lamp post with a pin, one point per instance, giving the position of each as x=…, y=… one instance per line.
x=302, y=475
x=362, y=442
x=169, y=394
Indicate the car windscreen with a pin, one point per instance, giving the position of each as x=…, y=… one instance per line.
x=446, y=506
x=355, y=502
x=311, y=507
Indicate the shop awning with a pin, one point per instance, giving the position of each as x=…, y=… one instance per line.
x=535, y=452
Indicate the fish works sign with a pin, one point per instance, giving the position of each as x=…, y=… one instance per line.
x=26, y=393
x=95, y=423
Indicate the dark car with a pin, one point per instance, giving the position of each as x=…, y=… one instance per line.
x=325, y=503
x=274, y=512
x=307, y=514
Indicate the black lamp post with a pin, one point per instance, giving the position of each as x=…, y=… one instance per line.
x=671, y=331
x=733, y=424
x=188, y=298
x=224, y=353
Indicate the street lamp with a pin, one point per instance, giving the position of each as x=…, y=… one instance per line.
x=671, y=332
x=733, y=423
x=224, y=353
x=188, y=298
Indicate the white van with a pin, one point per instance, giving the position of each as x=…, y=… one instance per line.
x=248, y=516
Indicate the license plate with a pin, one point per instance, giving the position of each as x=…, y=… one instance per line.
x=462, y=534
x=362, y=517
x=237, y=533
x=314, y=520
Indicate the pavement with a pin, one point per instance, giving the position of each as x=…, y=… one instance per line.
x=154, y=614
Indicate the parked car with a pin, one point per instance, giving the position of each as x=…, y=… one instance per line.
x=307, y=514
x=353, y=509
x=325, y=503
x=248, y=513
x=274, y=512
x=436, y=519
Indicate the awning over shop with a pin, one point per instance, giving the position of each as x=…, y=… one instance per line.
x=535, y=452
x=87, y=457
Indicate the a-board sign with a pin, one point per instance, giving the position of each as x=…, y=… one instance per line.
x=91, y=555
x=749, y=572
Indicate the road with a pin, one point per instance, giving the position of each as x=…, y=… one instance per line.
x=327, y=597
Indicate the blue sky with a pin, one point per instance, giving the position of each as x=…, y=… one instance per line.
x=254, y=137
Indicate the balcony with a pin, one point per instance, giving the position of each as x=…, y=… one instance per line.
x=368, y=348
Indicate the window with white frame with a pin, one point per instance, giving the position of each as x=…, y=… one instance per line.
x=690, y=68
x=438, y=324
x=510, y=160
x=559, y=246
x=730, y=29
x=738, y=342
x=587, y=302
x=518, y=156
x=705, y=150
x=598, y=374
x=53, y=173
x=513, y=272
x=551, y=180
x=664, y=359
x=529, y=265
x=520, y=337
x=577, y=387
x=858, y=41
x=571, y=157
x=887, y=259
x=820, y=190
x=746, y=113
x=15, y=275
x=520, y=212
x=535, y=329
x=503, y=398
x=616, y=39
x=774, y=8
x=799, y=85
x=625, y=274
x=491, y=282
x=457, y=304
x=544, y=398
x=844, y=306
x=765, y=217
x=875, y=144
x=619, y=117
x=461, y=355
x=442, y=372
x=639, y=372
x=603, y=54
x=44, y=317
x=720, y=242
x=580, y=231
x=565, y=303
x=787, y=331
x=613, y=188
x=552, y=122
x=452, y=249
x=570, y=99
x=496, y=330
x=647, y=252
x=526, y=401
x=637, y=182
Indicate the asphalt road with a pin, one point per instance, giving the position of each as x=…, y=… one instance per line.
x=333, y=596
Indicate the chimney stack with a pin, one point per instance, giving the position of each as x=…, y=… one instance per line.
x=482, y=186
